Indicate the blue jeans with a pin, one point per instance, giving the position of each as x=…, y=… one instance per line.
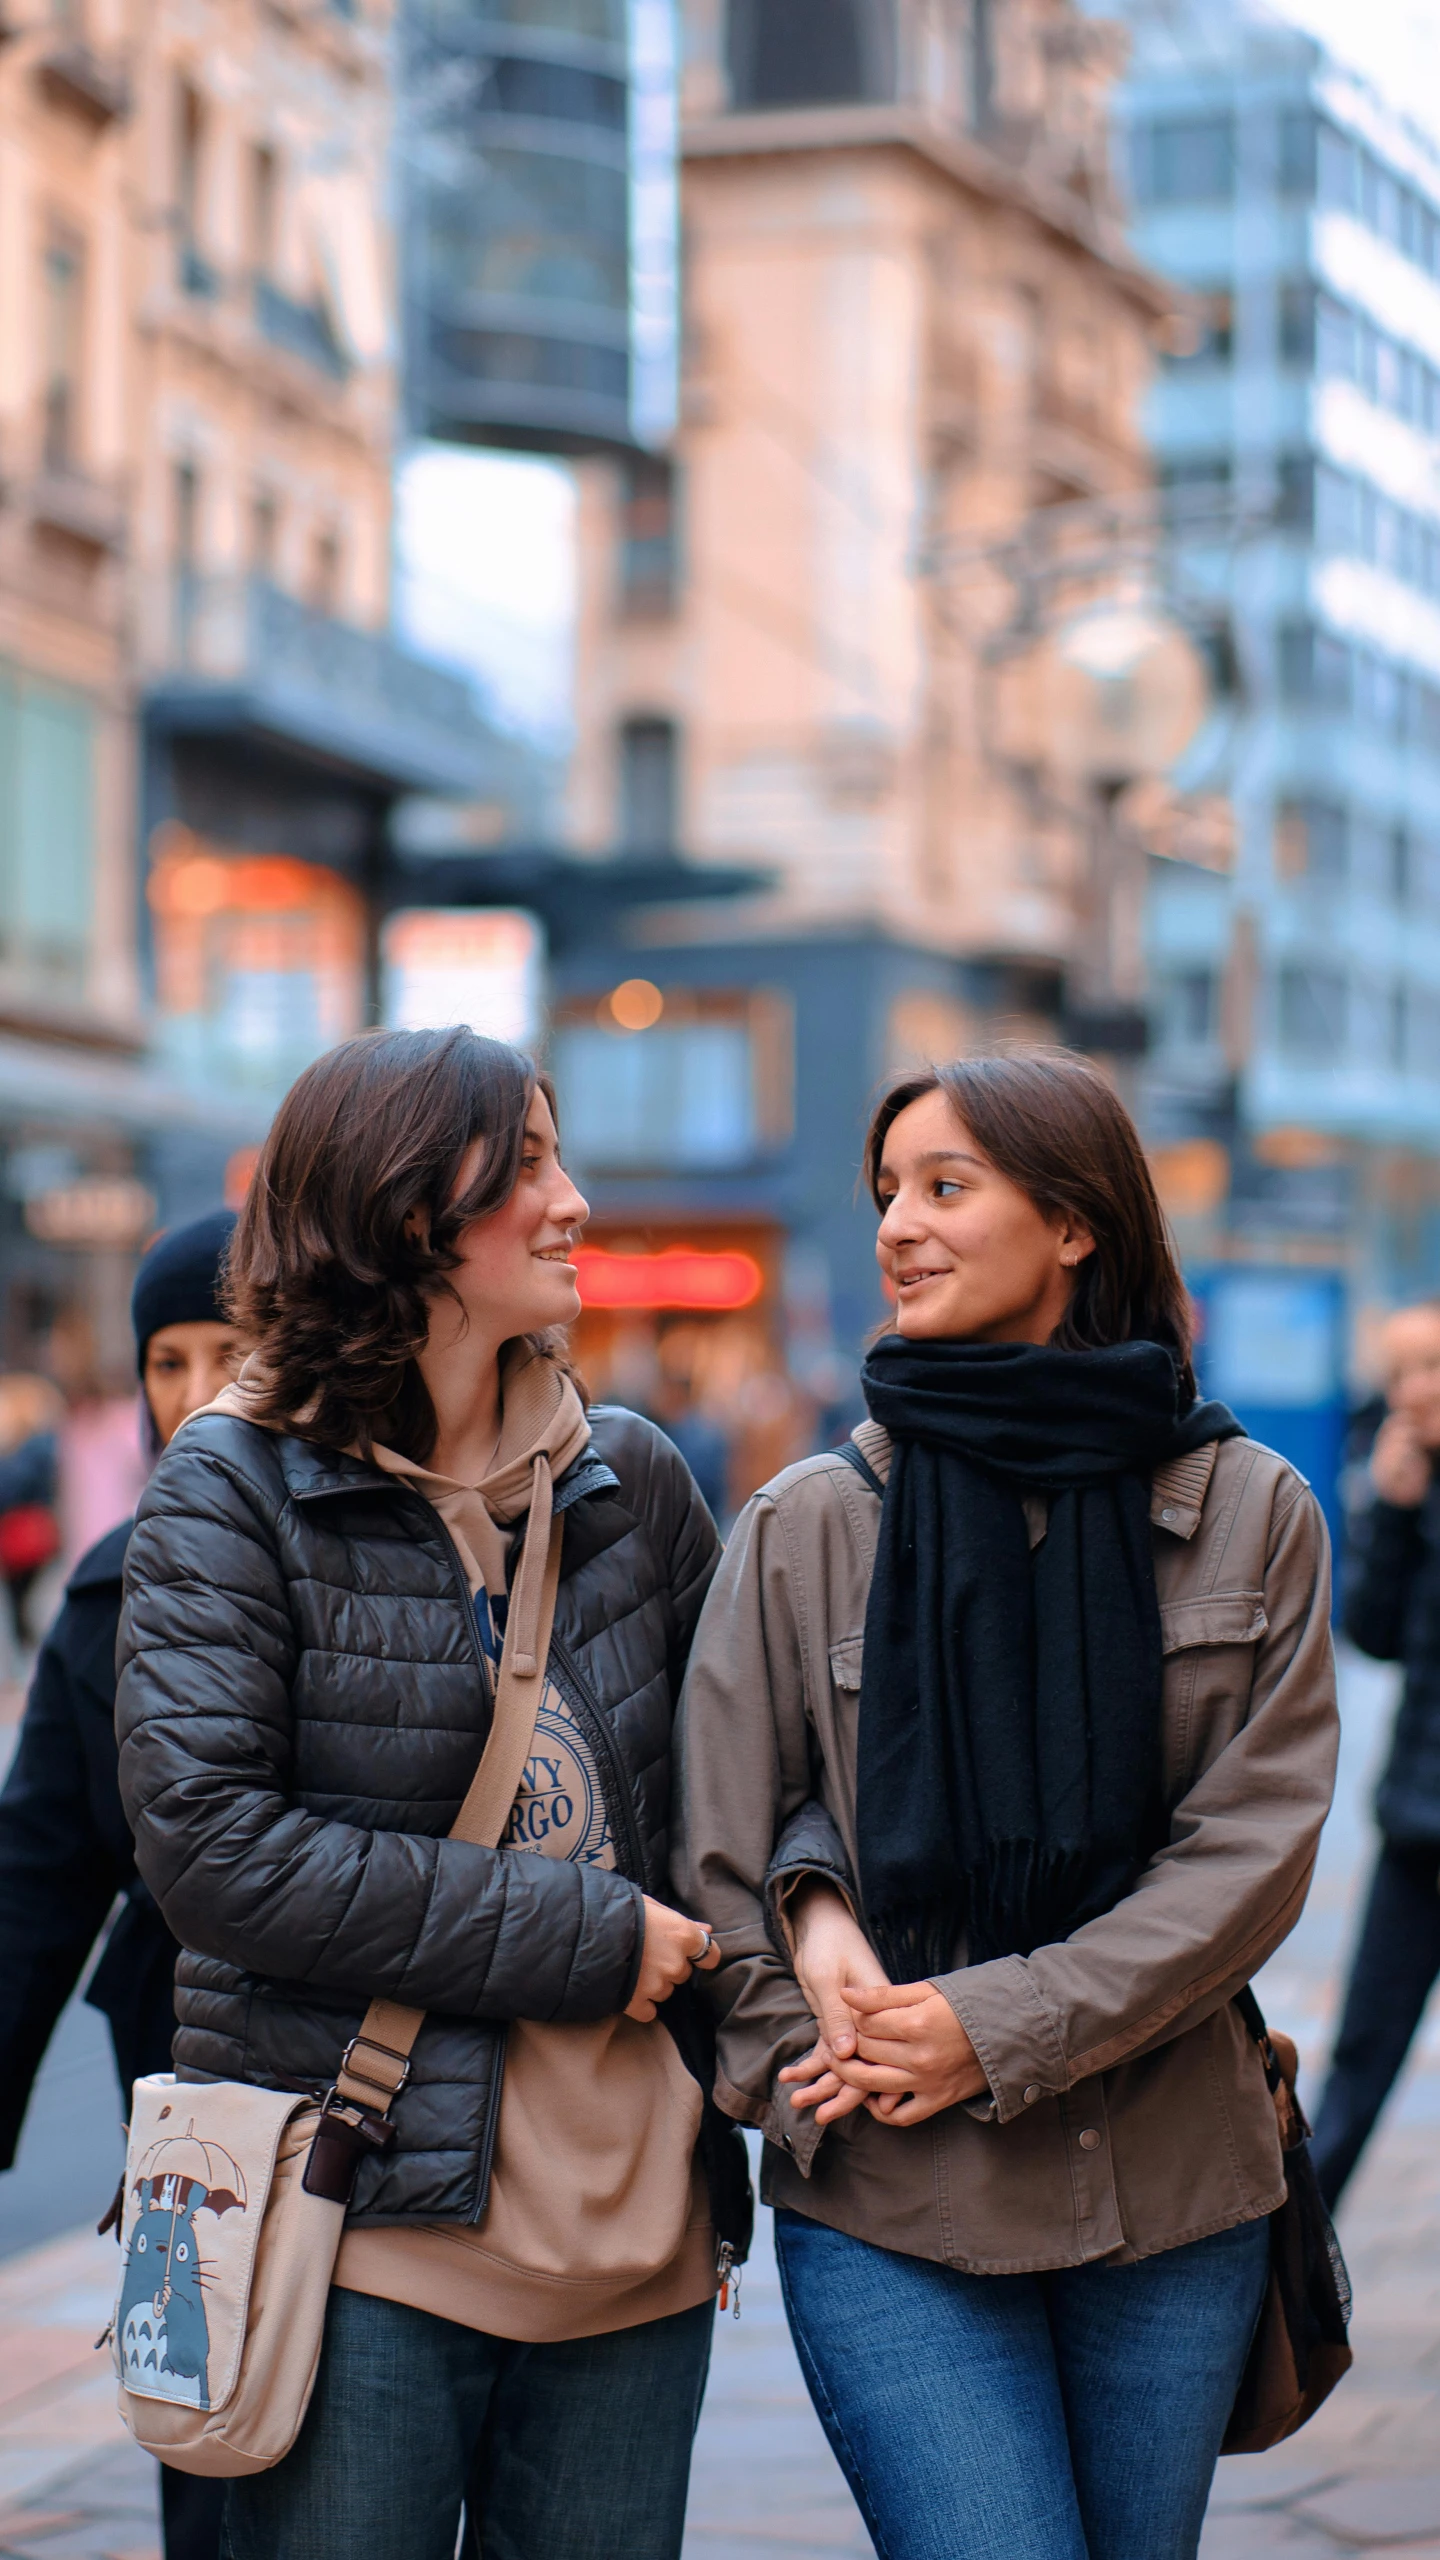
x=575, y=2451
x=1075, y=2415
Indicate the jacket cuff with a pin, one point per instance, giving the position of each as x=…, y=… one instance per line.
x=793, y=2130
x=810, y=1846
x=795, y=2133
x=1015, y=2040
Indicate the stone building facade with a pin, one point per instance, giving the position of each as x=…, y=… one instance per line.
x=911, y=321
x=203, y=720
x=913, y=334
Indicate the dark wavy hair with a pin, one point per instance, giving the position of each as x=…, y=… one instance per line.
x=1050, y=1123
x=323, y=1279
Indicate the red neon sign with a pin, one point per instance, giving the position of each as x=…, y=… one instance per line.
x=680, y=1277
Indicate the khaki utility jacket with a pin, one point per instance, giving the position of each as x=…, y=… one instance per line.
x=1128, y=2111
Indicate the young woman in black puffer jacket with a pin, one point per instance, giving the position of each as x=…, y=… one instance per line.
x=315, y=1597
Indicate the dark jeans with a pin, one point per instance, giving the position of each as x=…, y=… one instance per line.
x=1391, y=1978
x=1075, y=2415
x=579, y=2451
x=190, y=2515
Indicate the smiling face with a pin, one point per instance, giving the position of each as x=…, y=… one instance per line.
x=969, y=1255
x=516, y=1273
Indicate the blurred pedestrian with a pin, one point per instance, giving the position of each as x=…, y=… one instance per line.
x=32, y=1410
x=340, y=1561
x=65, y=1846
x=1054, y=1637
x=1392, y=1611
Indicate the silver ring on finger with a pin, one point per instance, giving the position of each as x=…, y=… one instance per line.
x=703, y=1951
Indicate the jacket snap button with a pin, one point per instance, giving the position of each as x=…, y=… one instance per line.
x=1089, y=2139
x=1168, y=1514
x=1032, y=2093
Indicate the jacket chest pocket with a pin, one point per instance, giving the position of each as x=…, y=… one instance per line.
x=847, y=1660
x=1210, y=1644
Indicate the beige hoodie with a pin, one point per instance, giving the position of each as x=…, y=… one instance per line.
x=560, y=1813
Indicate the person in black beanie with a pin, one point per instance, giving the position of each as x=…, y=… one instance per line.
x=65, y=1848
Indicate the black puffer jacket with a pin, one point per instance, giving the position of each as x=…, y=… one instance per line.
x=302, y=1703
x=1392, y=1610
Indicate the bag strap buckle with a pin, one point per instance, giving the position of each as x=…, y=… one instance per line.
x=387, y=2086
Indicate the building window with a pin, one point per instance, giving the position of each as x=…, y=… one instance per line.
x=1296, y=152
x=259, y=962
x=1190, y=160
x=649, y=546
x=1189, y=1008
x=264, y=535
x=1196, y=490
x=196, y=273
x=806, y=53
x=1399, y=1025
x=47, y=825
x=1295, y=492
x=64, y=281
x=982, y=63
x=1295, y=329
x=1312, y=1021
x=264, y=193
x=185, y=536
x=708, y=1082
x=649, y=786
x=325, y=572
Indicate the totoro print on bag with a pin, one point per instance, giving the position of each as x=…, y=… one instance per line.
x=181, y=2188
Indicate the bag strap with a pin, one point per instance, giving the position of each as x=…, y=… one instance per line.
x=857, y=1459
x=376, y=2064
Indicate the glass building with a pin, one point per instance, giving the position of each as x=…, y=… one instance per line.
x=537, y=169
x=1296, y=426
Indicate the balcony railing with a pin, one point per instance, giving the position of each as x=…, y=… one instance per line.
x=240, y=655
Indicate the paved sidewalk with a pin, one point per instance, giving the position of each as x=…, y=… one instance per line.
x=1364, y=2477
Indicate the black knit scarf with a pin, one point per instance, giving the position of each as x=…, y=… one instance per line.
x=1009, y=1752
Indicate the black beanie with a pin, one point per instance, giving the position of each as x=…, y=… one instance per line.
x=179, y=1280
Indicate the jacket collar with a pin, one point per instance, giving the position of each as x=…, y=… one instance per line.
x=1177, y=1490
x=317, y=1475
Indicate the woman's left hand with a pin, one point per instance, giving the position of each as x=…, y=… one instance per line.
x=913, y=2057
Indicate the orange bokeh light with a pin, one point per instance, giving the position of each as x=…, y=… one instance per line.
x=681, y=1277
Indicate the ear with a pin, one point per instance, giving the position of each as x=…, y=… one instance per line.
x=417, y=1227
x=1075, y=1241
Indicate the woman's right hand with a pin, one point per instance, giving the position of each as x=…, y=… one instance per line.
x=830, y=1949
x=675, y=1947
x=1399, y=1464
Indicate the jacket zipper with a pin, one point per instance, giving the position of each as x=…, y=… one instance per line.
x=618, y=1799
x=492, y=2112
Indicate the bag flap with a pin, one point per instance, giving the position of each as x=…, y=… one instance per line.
x=1214, y=1617
x=198, y=2170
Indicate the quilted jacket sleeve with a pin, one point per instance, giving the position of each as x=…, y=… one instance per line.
x=208, y=1653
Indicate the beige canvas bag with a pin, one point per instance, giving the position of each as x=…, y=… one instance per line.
x=234, y=2198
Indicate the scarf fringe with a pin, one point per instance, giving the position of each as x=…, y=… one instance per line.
x=1021, y=1897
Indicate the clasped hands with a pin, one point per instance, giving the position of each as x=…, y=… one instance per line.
x=896, y=2049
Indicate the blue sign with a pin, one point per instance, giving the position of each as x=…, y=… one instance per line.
x=1271, y=1345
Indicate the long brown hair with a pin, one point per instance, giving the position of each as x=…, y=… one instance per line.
x=324, y=1280
x=1050, y=1123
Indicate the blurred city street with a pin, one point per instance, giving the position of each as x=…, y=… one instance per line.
x=1365, y=2476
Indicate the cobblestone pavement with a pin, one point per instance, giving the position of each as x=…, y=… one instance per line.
x=1364, y=2477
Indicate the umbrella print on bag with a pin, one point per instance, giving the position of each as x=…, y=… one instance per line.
x=163, y=2335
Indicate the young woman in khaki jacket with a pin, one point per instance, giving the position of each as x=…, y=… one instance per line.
x=1006, y=1743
